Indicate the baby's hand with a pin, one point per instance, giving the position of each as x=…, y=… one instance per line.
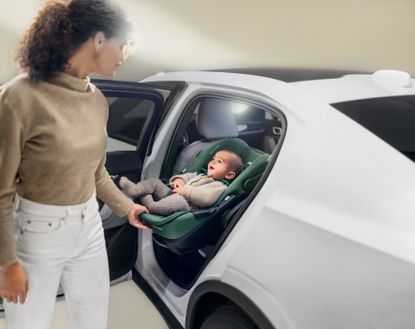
x=178, y=182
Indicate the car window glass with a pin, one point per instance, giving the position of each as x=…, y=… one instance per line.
x=256, y=125
x=248, y=117
x=390, y=118
x=210, y=118
x=126, y=121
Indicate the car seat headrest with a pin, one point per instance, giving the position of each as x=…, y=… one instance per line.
x=215, y=119
x=247, y=154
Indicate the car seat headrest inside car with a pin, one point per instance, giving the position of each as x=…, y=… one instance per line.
x=215, y=119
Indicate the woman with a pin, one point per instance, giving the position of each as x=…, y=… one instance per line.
x=52, y=151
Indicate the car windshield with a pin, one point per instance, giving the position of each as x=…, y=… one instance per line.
x=390, y=118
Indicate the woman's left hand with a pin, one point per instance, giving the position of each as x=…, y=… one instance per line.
x=134, y=215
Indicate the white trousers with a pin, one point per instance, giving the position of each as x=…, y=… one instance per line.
x=61, y=244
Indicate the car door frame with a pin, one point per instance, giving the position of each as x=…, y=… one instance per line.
x=121, y=238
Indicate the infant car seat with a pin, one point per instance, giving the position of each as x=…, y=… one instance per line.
x=188, y=230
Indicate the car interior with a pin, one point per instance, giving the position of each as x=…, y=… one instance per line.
x=188, y=230
x=184, y=241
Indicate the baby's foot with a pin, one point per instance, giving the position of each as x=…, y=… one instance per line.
x=123, y=181
x=129, y=186
x=137, y=190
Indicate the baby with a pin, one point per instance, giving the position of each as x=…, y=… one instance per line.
x=190, y=190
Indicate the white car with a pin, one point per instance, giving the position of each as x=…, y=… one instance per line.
x=324, y=239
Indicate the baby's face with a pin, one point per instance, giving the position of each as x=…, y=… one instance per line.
x=220, y=166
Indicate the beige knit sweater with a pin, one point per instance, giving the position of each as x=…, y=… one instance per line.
x=52, y=148
x=200, y=190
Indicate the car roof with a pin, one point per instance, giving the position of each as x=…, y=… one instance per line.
x=384, y=83
x=331, y=86
x=293, y=74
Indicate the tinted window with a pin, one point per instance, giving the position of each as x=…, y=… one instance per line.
x=392, y=119
x=128, y=117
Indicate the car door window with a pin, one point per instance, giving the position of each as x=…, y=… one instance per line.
x=254, y=123
x=209, y=118
x=127, y=120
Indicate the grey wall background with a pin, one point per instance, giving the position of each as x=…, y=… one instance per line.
x=194, y=34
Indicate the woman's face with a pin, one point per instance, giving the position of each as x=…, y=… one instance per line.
x=110, y=55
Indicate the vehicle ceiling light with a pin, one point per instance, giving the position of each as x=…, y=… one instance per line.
x=392, y=79
x=238, y=108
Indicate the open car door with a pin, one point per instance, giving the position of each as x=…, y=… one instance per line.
x=134, y=113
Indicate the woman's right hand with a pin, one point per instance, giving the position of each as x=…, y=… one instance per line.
x=134, y=215
x=13, y=283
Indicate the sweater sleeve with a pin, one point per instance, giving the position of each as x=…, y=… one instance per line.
x=11, y=146
x=204, y=195
x=108, y=192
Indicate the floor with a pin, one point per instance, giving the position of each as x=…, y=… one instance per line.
x=129, y=309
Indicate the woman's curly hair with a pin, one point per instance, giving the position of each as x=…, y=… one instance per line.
x=60, y=28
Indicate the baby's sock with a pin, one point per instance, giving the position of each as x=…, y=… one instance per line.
x=135, y=190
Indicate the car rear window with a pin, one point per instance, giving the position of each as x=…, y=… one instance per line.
x=390, y=118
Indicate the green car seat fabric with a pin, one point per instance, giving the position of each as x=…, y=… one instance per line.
x=177, y=231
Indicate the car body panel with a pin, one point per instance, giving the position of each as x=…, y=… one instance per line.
x=318, y=279
x=124, y=158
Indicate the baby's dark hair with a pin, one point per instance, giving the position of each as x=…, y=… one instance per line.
x=236, y=165
x=60, y=28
